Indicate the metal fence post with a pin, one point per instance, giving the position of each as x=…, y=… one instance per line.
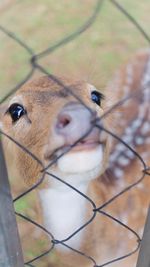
x=10, y=248
x=144, y=255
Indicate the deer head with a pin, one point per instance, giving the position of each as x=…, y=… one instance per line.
x=48, y=120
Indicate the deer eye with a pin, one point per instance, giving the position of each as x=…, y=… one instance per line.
x=97, y=97
x=16, y=111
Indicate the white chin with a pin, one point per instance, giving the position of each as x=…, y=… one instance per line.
x=81, y=161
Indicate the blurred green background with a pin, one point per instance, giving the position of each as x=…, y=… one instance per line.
x=93, y=56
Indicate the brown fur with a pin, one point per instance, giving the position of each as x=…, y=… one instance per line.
x=44, y=99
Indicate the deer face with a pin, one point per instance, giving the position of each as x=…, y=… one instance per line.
x=47, y=120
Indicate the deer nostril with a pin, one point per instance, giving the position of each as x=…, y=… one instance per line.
x=63, y=121
x=72, y=122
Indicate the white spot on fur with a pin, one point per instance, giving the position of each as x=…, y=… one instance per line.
x=123, y=161
x=145, y=128
x=129, y=130
x=129, y=154
x=139, y=140
x=118, y=173
x=136, y=123
x=120, y=147
x=127, y=138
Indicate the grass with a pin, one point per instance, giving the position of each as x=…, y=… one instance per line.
x=93, y=56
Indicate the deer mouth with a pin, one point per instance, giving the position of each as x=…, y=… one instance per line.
x=89, y=143
x=84, y=145
x=81, y=156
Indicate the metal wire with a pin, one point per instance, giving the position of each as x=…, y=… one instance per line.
x=34, y=64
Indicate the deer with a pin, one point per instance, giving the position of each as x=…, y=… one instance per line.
x=62, y=122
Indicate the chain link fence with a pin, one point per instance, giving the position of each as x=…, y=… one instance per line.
x=35, y=65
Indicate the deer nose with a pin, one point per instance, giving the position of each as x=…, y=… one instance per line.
x=74, y=121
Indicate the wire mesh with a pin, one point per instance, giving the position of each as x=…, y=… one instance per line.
x=35, y=65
